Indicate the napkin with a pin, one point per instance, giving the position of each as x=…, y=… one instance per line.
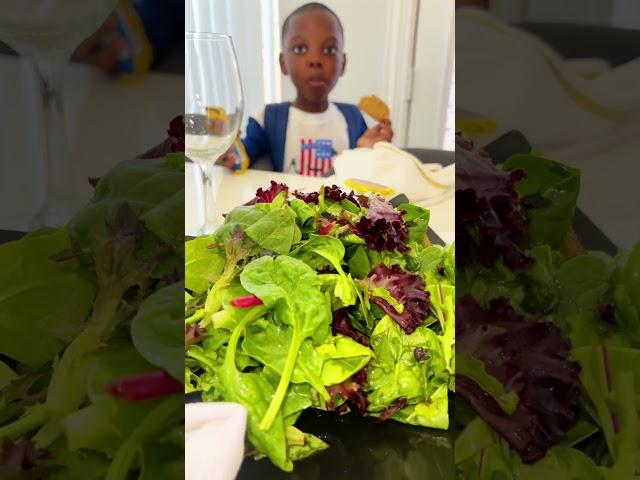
x=214, y=440
x=395, y=168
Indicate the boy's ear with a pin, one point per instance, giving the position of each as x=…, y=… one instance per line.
x=344, y=63
x=283, y=67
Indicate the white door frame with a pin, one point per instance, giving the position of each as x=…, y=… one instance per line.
x=398, y=64
x=431, y=74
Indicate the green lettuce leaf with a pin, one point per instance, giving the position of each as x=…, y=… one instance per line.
x=558, y=185
x=202, y=264
x=156, y=330
x=64, y=294
x=474, y=369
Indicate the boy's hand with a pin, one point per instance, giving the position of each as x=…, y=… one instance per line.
x=228, y=159
x=103, y=47
x=382, y=132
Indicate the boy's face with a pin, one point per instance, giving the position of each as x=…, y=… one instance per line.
x=313, y=55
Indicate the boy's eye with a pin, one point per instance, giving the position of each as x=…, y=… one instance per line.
x=330, y=50
x=299, y=49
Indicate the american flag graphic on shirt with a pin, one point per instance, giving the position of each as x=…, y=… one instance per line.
x=316, y=157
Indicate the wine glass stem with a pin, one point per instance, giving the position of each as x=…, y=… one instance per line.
x=49, y=72
x=209, y=194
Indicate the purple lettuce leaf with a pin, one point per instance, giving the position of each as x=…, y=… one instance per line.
x=193, y=335
x=383, y=227
x=312, y=197
x=352, y=391
x=23, y=461
x=342, y=324
x=268, y=195
x=393, y=408
x=489, y=221
x=333, y=192
x=407, y=289
x=336, y=194
x=530, y=358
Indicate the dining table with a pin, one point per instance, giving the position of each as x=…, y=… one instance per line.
x=233, y=189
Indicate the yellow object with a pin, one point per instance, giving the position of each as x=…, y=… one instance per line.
x=374, y=107
x=365, y=186
x=217, y=113
x=218, y=122
x=242, y=159
x=469, y=122
x=137, y=57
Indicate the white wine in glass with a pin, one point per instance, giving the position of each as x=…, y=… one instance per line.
x=47, y=32
x=213, y=108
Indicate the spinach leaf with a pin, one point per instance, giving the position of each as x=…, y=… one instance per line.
x=437, y=264
x=481, y=453
x=203, y=265
x=7, y=375
x=64, y=296
x=341, y=358
x=302, y=445
x=432, y=413
x=289, y=287
x=609, y=375
x=254, y=392
x=237, y=249
x=631, y=276
x=156, y=330
x=153, y=189
x=359, y=265
x=304, y=212
x=105, y=423
x=417, y=220
x=558, y=185
x=163, y=218
x=275, y=231
x=242, y=217
x=323, y=250
x=269, y=344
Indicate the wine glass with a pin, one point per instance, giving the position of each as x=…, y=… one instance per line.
x=47, y=33
x=213, y=108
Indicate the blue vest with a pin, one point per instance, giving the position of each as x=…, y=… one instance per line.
x=271, y=139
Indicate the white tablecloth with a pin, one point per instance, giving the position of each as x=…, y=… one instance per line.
x=235, y=189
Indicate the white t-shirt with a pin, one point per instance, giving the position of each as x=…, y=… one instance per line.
x=312, y=140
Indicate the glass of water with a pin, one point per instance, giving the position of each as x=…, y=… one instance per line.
x=213, y=108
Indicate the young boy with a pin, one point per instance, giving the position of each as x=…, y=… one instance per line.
x=303, y=136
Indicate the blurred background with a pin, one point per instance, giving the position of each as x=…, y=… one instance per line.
x=617, y=13
x=119, y=93
x=565, y=75
x=401, y=51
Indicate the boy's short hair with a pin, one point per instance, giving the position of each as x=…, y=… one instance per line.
x=305, y=8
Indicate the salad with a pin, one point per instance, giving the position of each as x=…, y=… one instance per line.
x=322, y=300
x=548, y=334
x=91, y=360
